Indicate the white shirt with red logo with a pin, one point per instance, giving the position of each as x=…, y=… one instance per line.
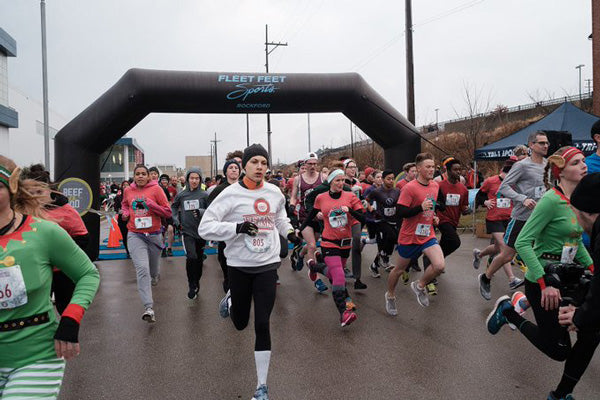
x=264, y=207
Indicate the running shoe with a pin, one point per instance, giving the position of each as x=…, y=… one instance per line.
x=476, y=258
x=348, y=317
x=374, y=268
x=299, y=263
x=519, y=263
x=384, y=261
x=484, y=287
x=496, y=319
x=225, y=304
x=405, y=276
x=515, y=283
x=552, y=396
x=155, y=279
x=358, y=285
x=431, y=289
x=321, y=286
x=294, y=255
x=421, y=293
x=350, y=304
x=520, y=304
x=312, y=274
x=348, y=274
x=148, y=315
x=390, y=305
x=261, y=393
x=389, y=268
x=193, y=292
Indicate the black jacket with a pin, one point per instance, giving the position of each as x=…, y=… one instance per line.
x=587, y=317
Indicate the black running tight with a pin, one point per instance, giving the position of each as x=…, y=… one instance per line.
x=552, y=339
x=261, y=288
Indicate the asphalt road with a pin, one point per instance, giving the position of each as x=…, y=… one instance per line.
x=439, y=352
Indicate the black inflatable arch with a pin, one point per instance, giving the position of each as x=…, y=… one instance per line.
x=140, y=92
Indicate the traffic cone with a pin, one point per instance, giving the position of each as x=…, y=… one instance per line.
x=114, y=234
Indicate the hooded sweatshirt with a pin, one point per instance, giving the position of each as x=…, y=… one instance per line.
x=145, y=207
x=188, y=206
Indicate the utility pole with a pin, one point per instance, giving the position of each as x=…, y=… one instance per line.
x=308, y=115
x=436, y=118
x=410, y=73
x=588, y=83
x=45, y=87
x=267, y=52
x=579, y=68
x=215, y=141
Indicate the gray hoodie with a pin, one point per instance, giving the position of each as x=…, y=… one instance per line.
x=189, y=206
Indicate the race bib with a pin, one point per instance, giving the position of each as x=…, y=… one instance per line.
x=12, y=288
x=143, y=222
x=259, y=243
x=389, y=211
x=568, y=254
x=539, y=191
x=452, y=199
x=189, y=205
x=503, y=202
x=338, y=220
x=423, y=230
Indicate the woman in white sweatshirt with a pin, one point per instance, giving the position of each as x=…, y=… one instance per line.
x=249, y=216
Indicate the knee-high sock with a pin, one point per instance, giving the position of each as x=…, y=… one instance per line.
x=339, y=298
x=262, y=359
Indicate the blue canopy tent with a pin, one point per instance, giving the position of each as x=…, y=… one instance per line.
x=567, y=118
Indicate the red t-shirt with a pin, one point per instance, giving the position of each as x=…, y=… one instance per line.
x=337, y=224
x=172, y=191
x=68, y=219
x=456, y=197
x=417, y=229
x=401, y=183
x=503, y=206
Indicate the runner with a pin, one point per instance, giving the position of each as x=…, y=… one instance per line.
x=303, y=185
x=371, y=216
x=455, y=197
x=144, y=204
x=385, y=198
x=34, y=344
x=350, y=170
x=444, y=175
x=524, y=185
x=417, y=236
x=334, y=207
x=170, y=193
x=187, y=209
x=57, y=209
x=117, y=207
x=551, y=235
x=249, y=216
x=231, y=170
x=410, y=173
x=497, y=218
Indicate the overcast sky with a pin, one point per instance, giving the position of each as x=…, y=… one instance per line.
x=506, y=50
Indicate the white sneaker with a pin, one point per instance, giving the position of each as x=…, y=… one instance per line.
x=390, y=305
x=148, y=315
x=422, y=296
x=155, y=280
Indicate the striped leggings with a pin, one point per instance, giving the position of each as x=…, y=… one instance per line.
x=41, y=379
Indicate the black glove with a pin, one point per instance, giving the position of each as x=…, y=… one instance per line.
x=248, y=228
x=294, y=239
x=68, y=330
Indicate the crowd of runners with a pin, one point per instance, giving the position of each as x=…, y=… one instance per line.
x=537, y=207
